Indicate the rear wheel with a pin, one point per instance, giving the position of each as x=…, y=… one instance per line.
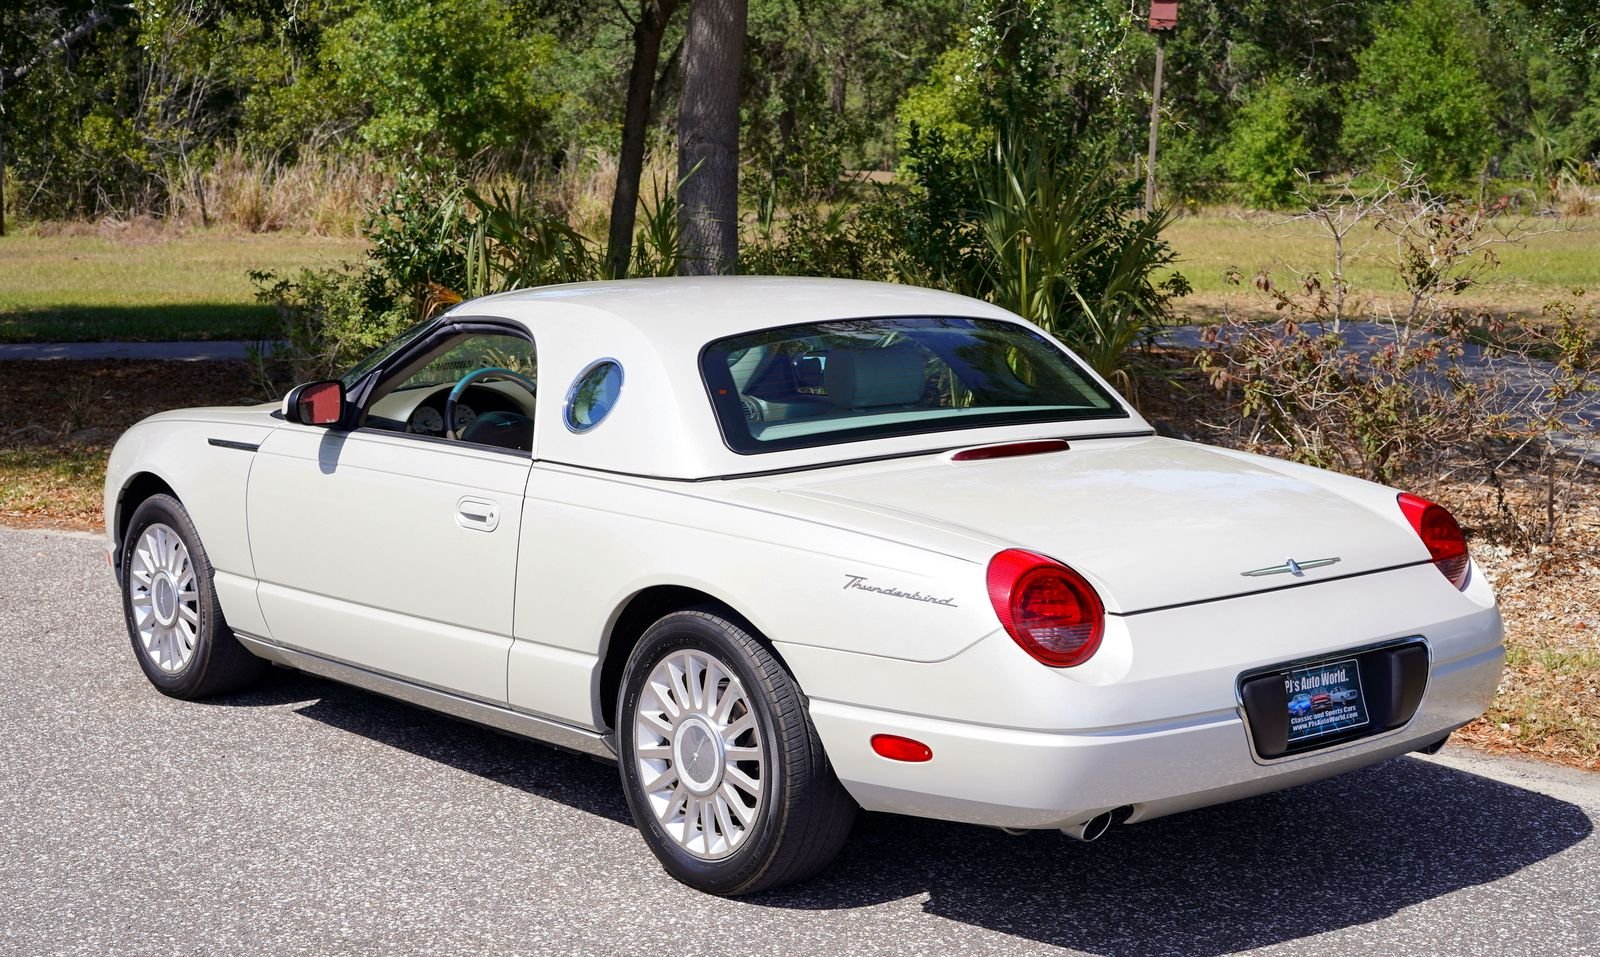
x=169, y=603
x=721, y=765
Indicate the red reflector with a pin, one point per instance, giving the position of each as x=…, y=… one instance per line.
x=1443, y=537
x=896, y=748
x=1010, y=449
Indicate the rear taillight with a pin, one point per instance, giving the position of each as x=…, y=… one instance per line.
x=1046, y=607
x=1439, y=532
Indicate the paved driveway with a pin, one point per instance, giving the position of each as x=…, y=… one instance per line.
x=308, y=818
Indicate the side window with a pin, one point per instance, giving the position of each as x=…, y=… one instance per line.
x=478, y=388
x=592, y=395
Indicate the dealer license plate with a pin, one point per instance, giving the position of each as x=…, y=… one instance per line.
x=1324, y=699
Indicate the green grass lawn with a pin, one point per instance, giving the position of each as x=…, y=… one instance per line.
x=65, y=288
x=1560, y=257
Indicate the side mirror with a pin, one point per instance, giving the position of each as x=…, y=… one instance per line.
x=315, y=403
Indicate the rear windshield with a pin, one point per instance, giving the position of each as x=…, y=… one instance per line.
x=830, y=382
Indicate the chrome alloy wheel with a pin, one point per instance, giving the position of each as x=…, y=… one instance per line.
x=165, y=598
x=701, y=761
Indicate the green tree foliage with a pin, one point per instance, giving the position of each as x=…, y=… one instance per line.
x=126, y=120
x=1221, y=55
x=450, y=76
x=947, y=103
x=1066, y=70
x=1267, y=149
x=822, y=81
x=1422, y=93
x=66, y=127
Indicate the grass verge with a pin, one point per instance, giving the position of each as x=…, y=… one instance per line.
x=1555, y=258
x=147, y=285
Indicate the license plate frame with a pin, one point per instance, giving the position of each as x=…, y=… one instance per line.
x=1393, y=677
x=1325, y=699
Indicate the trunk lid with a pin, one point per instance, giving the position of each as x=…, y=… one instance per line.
x=1151, y=522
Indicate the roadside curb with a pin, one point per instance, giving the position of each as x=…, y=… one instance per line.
x=1574, y=785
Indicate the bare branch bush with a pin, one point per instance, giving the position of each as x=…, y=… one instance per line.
x=1421, y=390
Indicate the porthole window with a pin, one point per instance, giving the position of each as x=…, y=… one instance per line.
x=593, y=394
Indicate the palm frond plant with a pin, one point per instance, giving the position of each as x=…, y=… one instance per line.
x=514, y=244
x=1064, y=246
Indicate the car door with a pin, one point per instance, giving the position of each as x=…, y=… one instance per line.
x=391, y=548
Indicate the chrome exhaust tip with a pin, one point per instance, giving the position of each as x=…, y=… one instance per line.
x=1091, y=829
x=1434, y=747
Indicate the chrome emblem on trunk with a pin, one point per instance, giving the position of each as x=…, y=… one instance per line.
x=1290, y=567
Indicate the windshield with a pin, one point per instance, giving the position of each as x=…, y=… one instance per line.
x=381, y=353
x=825, y=383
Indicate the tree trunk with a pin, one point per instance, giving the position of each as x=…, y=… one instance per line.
x=708, y=137
x=647, y=33
x=2, y=168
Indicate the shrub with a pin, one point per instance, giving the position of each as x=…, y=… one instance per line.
x=1058, y=239
x=1065, y=247
x=1421, y=95
x=1266, y=150
x=1418, y=391
x=511, y=244
x=326, y=321
x=418, y=233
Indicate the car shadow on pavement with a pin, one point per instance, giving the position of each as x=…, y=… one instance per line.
x=573, y=779
x=1266, y=870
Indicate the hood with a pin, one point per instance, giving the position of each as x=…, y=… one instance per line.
x=261, y=415
x=1151, y=522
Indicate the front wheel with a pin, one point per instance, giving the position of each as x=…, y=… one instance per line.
x=722, y=768
x=170, y=604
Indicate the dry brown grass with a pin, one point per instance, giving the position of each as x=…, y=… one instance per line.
x=59, y=419
x=321, y=194
x=329, y=194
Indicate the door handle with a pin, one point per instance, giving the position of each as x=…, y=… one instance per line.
x=478, y=514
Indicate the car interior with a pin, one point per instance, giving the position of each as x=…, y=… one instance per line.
x=477, y=388
x=872, y=374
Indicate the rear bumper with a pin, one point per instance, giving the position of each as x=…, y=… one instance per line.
x=985, y=772
x=1029, y=779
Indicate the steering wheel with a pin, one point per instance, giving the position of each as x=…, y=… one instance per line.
x=473, y=376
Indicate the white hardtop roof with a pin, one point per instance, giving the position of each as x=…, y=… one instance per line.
x=704, y=308
x=662, y=424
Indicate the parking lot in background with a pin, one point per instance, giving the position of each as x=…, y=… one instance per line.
x=307, y=817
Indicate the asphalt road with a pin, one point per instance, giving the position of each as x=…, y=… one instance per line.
x=309, y=818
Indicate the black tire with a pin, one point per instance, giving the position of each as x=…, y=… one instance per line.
x=804, y=814
x=218, y=663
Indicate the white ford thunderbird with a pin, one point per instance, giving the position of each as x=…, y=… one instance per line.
x=785, y=548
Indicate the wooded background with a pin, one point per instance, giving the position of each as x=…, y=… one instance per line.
x=115, y=108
